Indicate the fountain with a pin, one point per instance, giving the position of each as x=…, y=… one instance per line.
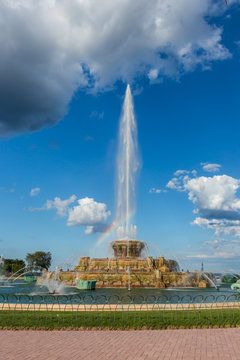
x=127, y=267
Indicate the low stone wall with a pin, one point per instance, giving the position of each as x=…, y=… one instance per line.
x=118, y=307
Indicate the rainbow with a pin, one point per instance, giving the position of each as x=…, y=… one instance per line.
x=110, y=230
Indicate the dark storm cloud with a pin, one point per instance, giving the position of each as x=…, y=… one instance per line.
x=37, y=77
x=45, y=45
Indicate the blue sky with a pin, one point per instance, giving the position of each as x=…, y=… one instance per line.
x=59, y=133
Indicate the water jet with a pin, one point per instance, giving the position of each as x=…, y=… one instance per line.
x=127, y=267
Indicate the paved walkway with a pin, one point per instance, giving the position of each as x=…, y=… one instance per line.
x=120, y=345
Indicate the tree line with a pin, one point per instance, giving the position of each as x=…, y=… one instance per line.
x=38, y=260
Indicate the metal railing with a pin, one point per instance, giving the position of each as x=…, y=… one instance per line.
x=118, y=312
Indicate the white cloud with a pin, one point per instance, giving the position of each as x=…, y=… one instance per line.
x=220, y=226
x=173, y=184
x=178, y=183
x=89, y=230
x=51, y=48
x=35, y=191
x=153, y=74
x=61, y=206
x=181, y=172
x=215, y=199
x=88, y=212
x=180, y=178
x=211, y=167
x=216, y=255
x=156, y=191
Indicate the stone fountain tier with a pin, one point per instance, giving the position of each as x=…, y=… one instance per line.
x=127, y=248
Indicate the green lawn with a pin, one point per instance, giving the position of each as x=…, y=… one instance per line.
x=119, y=320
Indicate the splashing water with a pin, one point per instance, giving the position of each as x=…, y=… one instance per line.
x=127, y=166
x=192, y=279
x=52, y=282
x=129, y=277
x=212, y=283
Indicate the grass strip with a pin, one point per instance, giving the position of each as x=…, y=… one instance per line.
x=162, y=319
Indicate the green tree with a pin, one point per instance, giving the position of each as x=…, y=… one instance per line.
x=13, y=265
x=1, y=265
x=39, y=259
